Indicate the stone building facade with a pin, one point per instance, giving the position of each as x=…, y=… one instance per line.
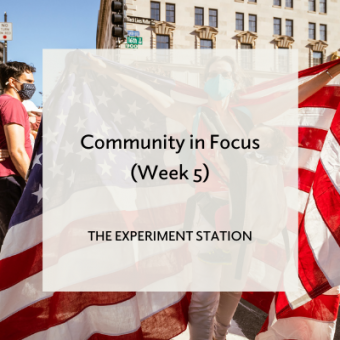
x=311, y=26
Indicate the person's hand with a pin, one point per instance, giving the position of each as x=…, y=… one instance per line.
x=3, y=154
x=335, y=70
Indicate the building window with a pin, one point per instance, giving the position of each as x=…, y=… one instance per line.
x=246, y=56
x=251, y=0
x=246, y=46
x=311, y=31
x=199, y=16
x=213, y=19
x=155, y=10
x=252, y=23
x=323, y=7
x=317, y=58
x=289, y=3
x=323, y=32
x=277, y=26
x=311, y=5
x=239, y=21
x=206, y=44
x=277, y=2
x=170, y=12
x=283, y=65
x=162, y=41
x=289, y=28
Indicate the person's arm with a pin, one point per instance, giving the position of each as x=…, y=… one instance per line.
x=15, y=138
x=3, y=154
x=267, y=111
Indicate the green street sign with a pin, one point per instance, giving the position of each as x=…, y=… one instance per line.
x=131, y=46
x=134, y=40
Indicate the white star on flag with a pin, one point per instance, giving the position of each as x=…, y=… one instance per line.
x=80, y=124
x=105, y=128
x=105, y=168
x=127, y=173
x=103, y=99
x=92, y=108
x=112, y=157
x=134, y=132
x=117, y=117
x=76, y=99
x=41, y=193
x=62, y=118
x=98, y=135
x=36, y=160
x=71, y=178
x=50, y=136
x=118, y=90
x=56, y=169
x=84, y=154
x=68, y=148
x=133, y=108
x=147, y=124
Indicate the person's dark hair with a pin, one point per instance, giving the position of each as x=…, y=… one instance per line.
x=236, y=73
x=13, y=69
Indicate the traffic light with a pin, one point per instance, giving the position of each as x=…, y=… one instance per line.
x=119, y=19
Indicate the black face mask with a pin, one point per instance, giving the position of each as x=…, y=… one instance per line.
x=27, y=90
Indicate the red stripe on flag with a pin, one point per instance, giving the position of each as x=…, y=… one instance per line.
x=317, y=69
x=303, y=182
x=261, y=300
x=20, y=266
x=281, y=303
x=169, y=322
x=308, y=137
x=322, y=308
x=327, y=200
x=54, y=311
x=327, y=97
x=306, y=178
x=311, y=276
x=311, y=138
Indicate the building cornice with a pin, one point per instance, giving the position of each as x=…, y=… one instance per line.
x=284, y=41
x=318, y=45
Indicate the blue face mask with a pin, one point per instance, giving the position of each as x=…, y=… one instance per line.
x=218, y=87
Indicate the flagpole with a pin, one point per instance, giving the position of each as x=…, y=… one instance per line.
x=5, y=47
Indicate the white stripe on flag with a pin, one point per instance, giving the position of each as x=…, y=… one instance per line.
x=296, y=199
x=322, y=243
x=114, y=320
x=330, y=158
x=21, y=295
x=21, y=237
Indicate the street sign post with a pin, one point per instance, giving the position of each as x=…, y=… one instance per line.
x=133, y=46
x=6, y=31
x=133, y=33
x=134, y=40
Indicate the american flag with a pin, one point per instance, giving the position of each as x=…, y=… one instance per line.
x=310, y=312
x=27, y=312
